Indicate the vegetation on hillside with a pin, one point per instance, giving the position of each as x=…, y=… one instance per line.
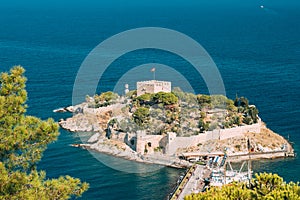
x=141, y=115
x=188, y=114
x=263, y=186
x=184, y=113
x=23, y=139
x=104, y=99
x=177, y=111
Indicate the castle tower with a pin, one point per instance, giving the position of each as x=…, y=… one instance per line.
x=152, y=86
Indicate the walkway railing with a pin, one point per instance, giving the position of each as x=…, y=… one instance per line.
x=183, y=183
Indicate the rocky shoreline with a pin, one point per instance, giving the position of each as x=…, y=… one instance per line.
x=115, y=148
x=114, y=137
x=119, y=150
x=86, y=119
x=126, y=153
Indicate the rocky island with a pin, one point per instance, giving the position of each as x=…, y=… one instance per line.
x=156, y=125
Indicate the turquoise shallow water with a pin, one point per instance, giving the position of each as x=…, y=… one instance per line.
x=256, y=50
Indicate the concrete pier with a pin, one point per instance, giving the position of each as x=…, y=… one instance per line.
x=193, y=182
x=260, y=155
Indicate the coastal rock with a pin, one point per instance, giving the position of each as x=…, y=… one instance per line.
x=77, y=108
x=60, y=110
x=94, y=138
x=81, y=123
x=86, y=119
x=97, y=128
x=70, y=109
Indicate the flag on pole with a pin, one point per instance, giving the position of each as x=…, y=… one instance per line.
x=153, y=69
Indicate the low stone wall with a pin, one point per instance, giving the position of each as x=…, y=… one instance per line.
x=194, y=140
x=262, y=155
x=238, y=131
x=183, y=142
x=213, y=135
x=221, y=134
x=171, y=143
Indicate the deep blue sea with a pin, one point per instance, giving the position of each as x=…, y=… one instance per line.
x=257, y=51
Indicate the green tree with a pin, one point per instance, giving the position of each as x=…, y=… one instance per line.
x=264, y=186
x=108, y=96
x=105, y=98
x=23, y=139
x=212, y=126
x=202, y=114
x=230, y=105
x=204, y=100
x=247, y=120
x=144, y=98
x=253, y=112
x=241, y=101
x=202, y=125
x=141, y=115
x=165, y=98
x=219, y=101
x=236, y=120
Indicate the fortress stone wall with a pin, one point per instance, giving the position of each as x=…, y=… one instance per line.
x=238, y=131
x=184, y=142
x=170, y=143
x=147, y=143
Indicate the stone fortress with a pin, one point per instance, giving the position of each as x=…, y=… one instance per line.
x=152, y=86
x=136, y=145
x=144, y=143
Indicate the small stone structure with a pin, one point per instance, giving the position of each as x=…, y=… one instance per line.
x=147, y=143
x=152, y=86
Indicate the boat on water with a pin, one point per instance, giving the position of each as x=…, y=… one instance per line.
x=222, y=177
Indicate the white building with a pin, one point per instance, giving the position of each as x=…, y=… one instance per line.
x=152, y=86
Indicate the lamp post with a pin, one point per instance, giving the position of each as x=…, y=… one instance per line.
x=153, y=71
